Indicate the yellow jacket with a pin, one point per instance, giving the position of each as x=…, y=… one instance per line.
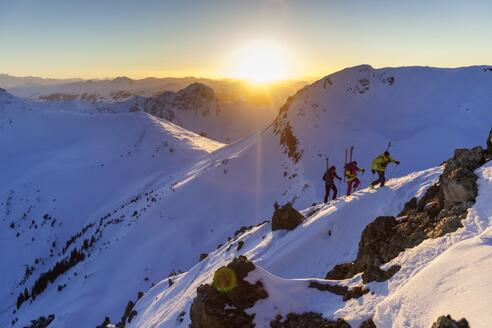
x=350, y=175
x=380, y=163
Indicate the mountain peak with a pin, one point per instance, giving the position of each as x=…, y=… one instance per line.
x=122, y=79
x=199, y=89
x=4, y=94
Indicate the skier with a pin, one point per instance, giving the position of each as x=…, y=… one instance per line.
x=329, y=179
x=351, y=172
x=379, y=165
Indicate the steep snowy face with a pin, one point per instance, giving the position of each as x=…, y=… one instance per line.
x=424, y=112
x=196, y=98
x=5, y=97
x=195, y=108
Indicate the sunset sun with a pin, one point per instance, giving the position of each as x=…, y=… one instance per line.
x=260, y=62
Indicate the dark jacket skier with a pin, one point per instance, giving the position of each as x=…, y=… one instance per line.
x=329, y=179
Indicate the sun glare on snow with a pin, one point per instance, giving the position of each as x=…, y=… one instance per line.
x=260, y=62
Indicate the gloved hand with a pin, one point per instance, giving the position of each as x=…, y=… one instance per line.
x=373, y=171
x=397, y=162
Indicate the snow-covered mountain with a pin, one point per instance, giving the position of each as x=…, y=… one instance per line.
x=224, y=110
x=197, y=108
x=122, y=88
x=445, y=273
x=137, y=218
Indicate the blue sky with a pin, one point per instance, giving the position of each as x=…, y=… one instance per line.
x=175, y=38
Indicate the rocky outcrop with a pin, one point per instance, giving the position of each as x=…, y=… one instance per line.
x=127, y=315
x=286, y=217
x=346, y=292
x=369, y=323
x=439, y=212
x=307, y=320
x=42, y=322
x=376, y=247
x=283, y=128
x=489, y=145
x=216, y=306
x=105, y=323
x=448, y=322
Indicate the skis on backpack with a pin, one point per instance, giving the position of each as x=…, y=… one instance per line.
x=389, y=146
x=348, y=159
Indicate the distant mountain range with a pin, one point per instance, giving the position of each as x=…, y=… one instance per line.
x=224, y=110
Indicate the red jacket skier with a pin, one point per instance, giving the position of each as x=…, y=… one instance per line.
x=351, y=174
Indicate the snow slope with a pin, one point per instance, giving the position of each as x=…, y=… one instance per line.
x=167, y=209
x=62, y=171
x=440, y=276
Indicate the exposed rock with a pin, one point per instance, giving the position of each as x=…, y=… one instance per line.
x=458, y=182
x=307, y=320
x=105, y=323
x=283, y=128
x=446, y=225
x=211, y=309
x=42, y=322
x=225, y=308
x=489, y=143
x=127, y=315
x=202, y=256
x=374, y=273
x=369, y=323
x=375, y=249
x=448, y=322
x=346, y=292
x=409, y=206
x=286, y=217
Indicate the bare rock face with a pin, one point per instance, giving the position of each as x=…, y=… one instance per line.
x=448, y=322
x=369, y=323
x=489, y=143
x=307, y=320
x=375, y=248
x=346, y=292
x=458, y=182
x=42, y=322
x=213, y=308
x=286, y=217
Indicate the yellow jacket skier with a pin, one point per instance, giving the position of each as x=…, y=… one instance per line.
x=379, y=165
